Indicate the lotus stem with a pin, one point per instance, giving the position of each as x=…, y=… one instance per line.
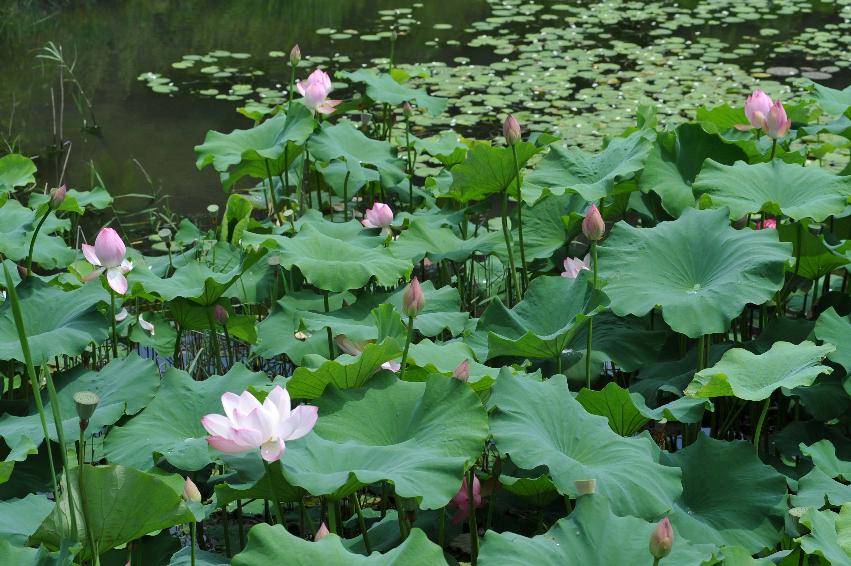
x=32, y=242
x=60, y=433
x=81, y=483
x=333, y=518
x=759, y=423
x=279, y=514
x=471, y=520
x=112, y=319
x=441, y=528
x=407, y=347
x=511, y=268
x=214, y=341
x=655, y=561
x=328, y=328
x=590, y=320
x=192, y=536
x=700, y=362
x=346, y=197
x=239, y=525
x=410, y=164
x=773, y=148
x=272, y=191
x=523, y=269
x=362, y=524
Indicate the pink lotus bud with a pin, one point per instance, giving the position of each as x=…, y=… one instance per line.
x=413, y=299
x=108, y=256
x=295, y=55
x=662, y=539
x=57, y=195
x=191, y=491
x=573, y=266
x=462, y=372
x=511, y=130
x=462, y=499
x=407, y=109
x=109, y=248
x=776, y=123
x=321, y=533
x=593, y=225
x=221, y=315
x=379, y=216
x=756, y=108
x=767, y=224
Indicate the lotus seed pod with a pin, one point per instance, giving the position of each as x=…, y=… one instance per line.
x=85, y=402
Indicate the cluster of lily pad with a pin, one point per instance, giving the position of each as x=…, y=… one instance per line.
x=633, y=356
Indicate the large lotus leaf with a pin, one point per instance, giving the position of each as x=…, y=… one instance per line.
x=339, y=265
x=701, y=283
x=19, y=518
x=823, y=454
x=68, y=326
x=17, y=225
x=124, y=385
x=671, y=376
x=836, y=330
x=122, y=504
x=195, y=281
x=830, y=534
x=427, y=357
x=541, y=424
x=27, y=556
x=183, y=557
x=421, y=239
x=592, y=534
x=488, y=170
x=383, y=88
x=624, y=340
x=775, y=187
x=754, y=377
x=446, y=147
x=729, y=496
x=545, y=227
x=817, y=489
x=269, y=544
x=344, y=141
x=170, y=426
x=247, y=479
x=592, y=175
x=264, y=141
x=834, y=101
x=818, y=258
x=76, y=201
x=15, y=171
x=614, y=403
x=420, y=436
x=675, y=161
x=541, y=325
x=344, y=372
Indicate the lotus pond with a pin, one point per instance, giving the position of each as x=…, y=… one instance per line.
x=426, y=319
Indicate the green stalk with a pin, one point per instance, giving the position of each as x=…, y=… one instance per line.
x=32, y=242
x=773, y=148
x=471, y=520
x=590, y=320
x=332, y=516
x=112, y=318
x=407, y=347
x=60, y=433
x=410, y=164
x=362, y=524
x=279, y=514
x=508, y=245
x=523, y=268
x=214, y=341
x=292, y=82
x=700, y=363
x=441, y=529
x=272, y=190
x=328, y=328
x=759, y=424
x=83, y=507
x=346, y=197
x=192, y=537
x=655, y=562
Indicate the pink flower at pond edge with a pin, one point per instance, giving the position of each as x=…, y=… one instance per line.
x=756, y=108
x=315, y=91
x=767, y=224
x=776, y=124
x=108, y=255
x=573, y=266
x=593, y=225
x=379, y=216
x=249, y=425
x=461, y=500
x=662, y=539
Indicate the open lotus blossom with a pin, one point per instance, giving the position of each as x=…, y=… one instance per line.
x=461, y=500
x=247, y=424
x=147, y=326
x=108, y=256
x=315, y=91
x=777, y=124
x=573, y=266
x=379, y=216
x=767, y=224
x=756, y=108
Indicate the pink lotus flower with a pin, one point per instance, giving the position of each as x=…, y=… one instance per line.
x=776, y=124
x=108, y=255
x=462, y=499
x=315, y=91
x=767, y=224
x=593, y=225
x=379, y=216
x=462, y=371
x=321, y=533
x=413, y=299
x=756, y=108
x=191, y=491
x=573, y=266
x=511, y=130
x=392, y=365
x=248, y=425
x=662, y=539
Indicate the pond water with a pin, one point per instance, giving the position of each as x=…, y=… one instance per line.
x=160, y=73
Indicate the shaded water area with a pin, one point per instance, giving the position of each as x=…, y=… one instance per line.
x=160, y=74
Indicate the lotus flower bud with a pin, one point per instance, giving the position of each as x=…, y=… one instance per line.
x=767, y=224
x=221, y=315
x=511, y=130
x=407, y=109
x=756, y=108
x=662, y=539
x=776, y=124
x=295, y=55
x=379, y=216
x=57, y=195
x=190, y=491
x=462, y=372
x=593, y=225
x=85, y=402
x=321, y=533
x=413, y=299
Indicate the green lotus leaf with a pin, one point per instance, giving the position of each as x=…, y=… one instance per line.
x=729, y=496
x=538, y=490
x=280, y=332
x=164, y=337
x=70, y=324
x=836, y=330
x=183, y=557
x=817, y=489
x=17, y=225
x=383, y=88
x=269, y=544
x=624, y=340
x=344, y=372
x=834, y=101
x=775, y=187
x=422, y=439
x=113, y=510
x=818, y=258
x=540, y=326
x=445, y=147
x=421, y=239
x=675, y=161
x=614, y=403
x=684, y=409
x=541, y=424
x=839, y=127
x=488, y=170
x=16, y=171
x=830, y=534
x=238, y=212
x=427, y=357
x=124, y=385
x=823, y=454
x=19, y=518
x=722, y=120
x=701, y=283
x=170, y=426
x=76, y=201
x=247, y=479
x=592, y=534
x=27, y=556
x=592, y=175
x=754, y=377
x=345, y=142
x=545, y=227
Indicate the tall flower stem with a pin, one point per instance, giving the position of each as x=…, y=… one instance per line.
x=60, y=433
x=590, y=320
x=410, y=164
x=279, y=514
x=512, y=283
x=523, y=269
x=333, y=519
x=214, y=341
x=328, y=328
x=407, y=347
x=112, y=318
x=346, y=197
x=759, y=423
x=192, y=541
x=471, y=519
x=362, y=524
x=32, y=242
x=81, y=487
x=773, y=149
x=272, y=194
